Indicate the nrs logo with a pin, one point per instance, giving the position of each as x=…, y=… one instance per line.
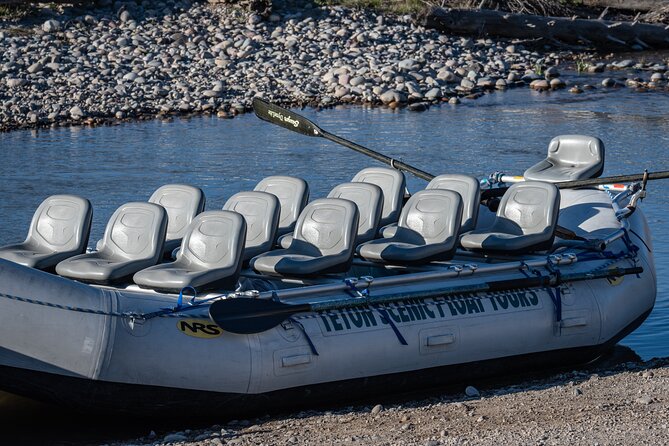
x=199, y=328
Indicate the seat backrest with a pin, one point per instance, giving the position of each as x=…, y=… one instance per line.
x=434, y=215
x=393, y=185
x=470, y=191
x=261, y=212
x=369, y=199
x=214, y=239
x=182, y=203
x=61, y=223
x=530, y=207
x=293, y=194
x=136, y=231
x=328, y=224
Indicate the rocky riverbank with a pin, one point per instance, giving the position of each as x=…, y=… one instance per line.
x=624, y=405
x=144, y=60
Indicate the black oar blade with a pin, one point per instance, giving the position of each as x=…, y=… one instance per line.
x=246, y=315
x=284, y=118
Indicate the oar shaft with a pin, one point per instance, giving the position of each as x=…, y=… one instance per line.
x=616, y=179
x=493, y=286
x=377, y=156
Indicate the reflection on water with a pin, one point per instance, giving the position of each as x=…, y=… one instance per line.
x=501, y=132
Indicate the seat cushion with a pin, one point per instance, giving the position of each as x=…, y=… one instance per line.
x=290, y=262
x=25, y=255
x=96, y=267
x=173, y=278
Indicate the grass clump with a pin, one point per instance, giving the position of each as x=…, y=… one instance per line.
x=389, y=6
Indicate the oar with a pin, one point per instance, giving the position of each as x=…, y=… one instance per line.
x=297, y=123
x=499, y=191
x=248, y=315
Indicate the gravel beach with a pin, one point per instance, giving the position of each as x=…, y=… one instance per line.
x=624, y=405
x=128, y=61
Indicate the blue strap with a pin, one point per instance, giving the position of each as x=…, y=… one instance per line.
x=299, y=325
x=556, y=297
x=181, y=297
x=553, y=292
x=389, y=321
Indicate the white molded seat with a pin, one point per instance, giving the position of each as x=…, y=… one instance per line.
x=133, y=240
x=59, y=229
x=261, y=210
x=525, y=220
x=369, y=199
x=182, y=203
x=293, y=194
x=322, y=241
x=428, y=229
x=570, y=157
x=470, y=191
x=210, y=256
x=393, y=185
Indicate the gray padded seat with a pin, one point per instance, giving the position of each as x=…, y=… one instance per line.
x=570, y=157
x=59, y=229
x=525, y=220
x=133, y=240
x=210, y=256
x=322, y=241
x=393, y=185
x=428, y=229
x=369, y=199
x=470, y=191
x=182, y=203
x=293, y=194
x=261, y=212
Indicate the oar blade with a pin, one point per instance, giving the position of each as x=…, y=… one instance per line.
x=246, y=315
x=284, y=118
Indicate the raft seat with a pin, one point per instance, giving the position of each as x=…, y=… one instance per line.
x=323, y=241
x=133, y=240
x=59, y=229
x=182, y=203
x=261, y=211
x=393, y=185
x=570, y=157
x=368, y=198
x=525, y=221
x=428, y=229
x=293, y=195
x=470, y=191
x=210, y=256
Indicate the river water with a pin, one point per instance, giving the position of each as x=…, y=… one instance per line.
x=506, y=131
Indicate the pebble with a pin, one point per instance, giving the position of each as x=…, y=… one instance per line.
x=51, y=26
x=472, y=391
x=173, y=438
x=376, y=409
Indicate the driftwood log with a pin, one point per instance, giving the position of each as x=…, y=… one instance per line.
x=599, y=34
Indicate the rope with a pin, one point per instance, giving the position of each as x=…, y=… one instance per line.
x=167, y=312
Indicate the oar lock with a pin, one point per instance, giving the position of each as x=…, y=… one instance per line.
x=352, y=283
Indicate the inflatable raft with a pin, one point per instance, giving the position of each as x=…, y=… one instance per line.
x=233, y=323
